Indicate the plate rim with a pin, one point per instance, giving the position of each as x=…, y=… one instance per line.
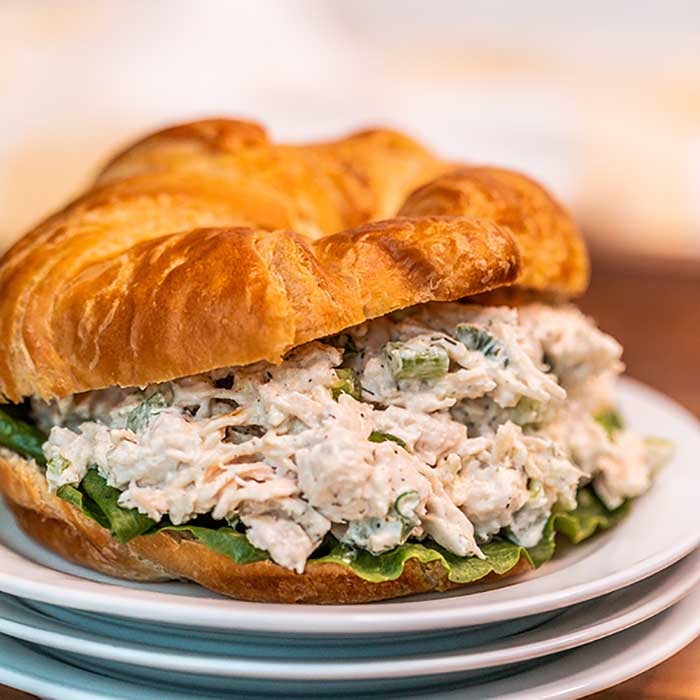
x=659, y=638
x=67, y=590
x=618, y=615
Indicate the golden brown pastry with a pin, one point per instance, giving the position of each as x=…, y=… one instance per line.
x=206, y=246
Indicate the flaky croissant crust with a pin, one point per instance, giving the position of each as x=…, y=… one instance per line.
x=206, y=245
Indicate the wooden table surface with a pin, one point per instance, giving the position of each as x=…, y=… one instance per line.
x=654, y=310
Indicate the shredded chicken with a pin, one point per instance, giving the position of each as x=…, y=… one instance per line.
x=454, y=422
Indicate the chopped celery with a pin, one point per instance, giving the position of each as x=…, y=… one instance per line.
x=348, y=383
x=58, y=464
x=659, y=452
x=410, y=362
x=611, y=420
x=528, y=412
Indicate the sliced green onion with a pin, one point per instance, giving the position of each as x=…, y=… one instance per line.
x=379, y=436
x=475, y=338
x=405, y=505
x=138, y=419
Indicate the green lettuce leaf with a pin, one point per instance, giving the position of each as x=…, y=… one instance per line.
x=99, y=501
x=22, y=437
x=83, y=503
x=124, y=523
x=501, y=555
x=589, y=516
x=223, y=540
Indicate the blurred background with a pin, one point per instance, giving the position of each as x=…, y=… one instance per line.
x=599, y=100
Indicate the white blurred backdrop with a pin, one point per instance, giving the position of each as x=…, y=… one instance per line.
x=600, y=100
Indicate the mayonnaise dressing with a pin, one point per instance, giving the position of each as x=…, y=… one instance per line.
x=469, y=422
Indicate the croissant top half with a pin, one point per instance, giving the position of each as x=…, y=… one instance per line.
x=206, y=245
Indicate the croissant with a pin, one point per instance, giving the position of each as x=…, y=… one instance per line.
x=206, y=246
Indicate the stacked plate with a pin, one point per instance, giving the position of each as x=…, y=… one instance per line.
x=598, y=614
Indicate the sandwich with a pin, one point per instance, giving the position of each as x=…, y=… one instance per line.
x=329, y=373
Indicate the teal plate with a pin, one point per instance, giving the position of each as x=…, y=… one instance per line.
x=281, y=646
x=591, y=668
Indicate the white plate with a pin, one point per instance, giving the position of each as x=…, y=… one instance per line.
x=591, y=668
x=577, y=626
x=664, y=526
